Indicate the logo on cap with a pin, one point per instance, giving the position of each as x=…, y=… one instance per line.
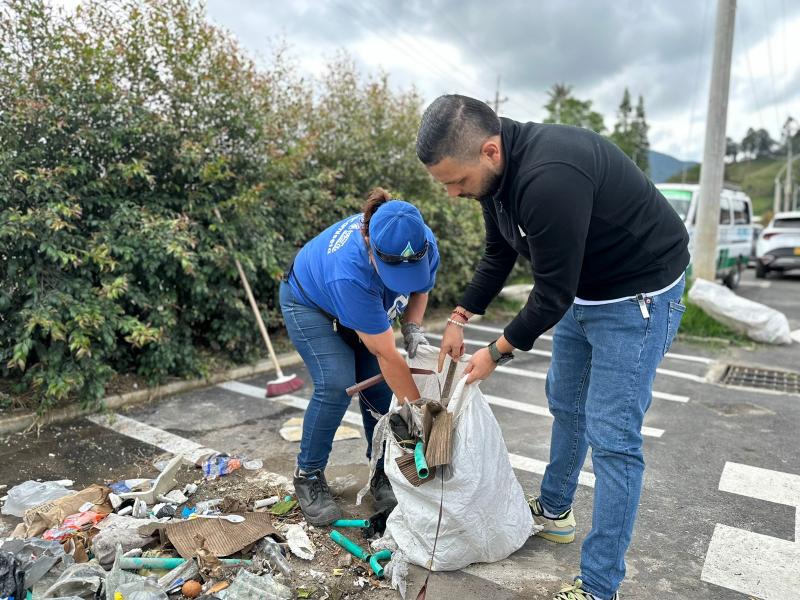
x=407, y=251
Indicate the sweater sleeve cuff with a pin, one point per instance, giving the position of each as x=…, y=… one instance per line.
x=473, y=302
x=518, y=335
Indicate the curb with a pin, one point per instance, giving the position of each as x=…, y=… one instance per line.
x=22, y=422
x=26, y=421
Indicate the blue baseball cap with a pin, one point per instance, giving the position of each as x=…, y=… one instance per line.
x=397, y=236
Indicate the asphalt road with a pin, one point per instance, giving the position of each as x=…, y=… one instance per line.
x=718, y=517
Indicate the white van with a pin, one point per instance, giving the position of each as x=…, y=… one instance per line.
x=735, y=239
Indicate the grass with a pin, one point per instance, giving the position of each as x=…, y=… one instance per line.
x=696, y=323
x=755, y=177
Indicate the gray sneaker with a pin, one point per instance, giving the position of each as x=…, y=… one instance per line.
x=315, y=498
x=382, y=493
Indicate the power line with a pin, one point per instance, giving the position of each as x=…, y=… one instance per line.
x=758, y=104
x=412, y=49
x=696, y=87
x=771, y=69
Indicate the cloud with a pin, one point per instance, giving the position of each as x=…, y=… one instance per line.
x=661, y=50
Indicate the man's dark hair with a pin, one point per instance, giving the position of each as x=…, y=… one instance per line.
x=455, y=126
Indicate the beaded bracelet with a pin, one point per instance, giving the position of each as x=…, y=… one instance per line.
x=458, y=323
x=461, y=314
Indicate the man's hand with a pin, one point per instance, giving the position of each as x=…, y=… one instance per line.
x=412, y=338
x=452, y=344
x=480, y=366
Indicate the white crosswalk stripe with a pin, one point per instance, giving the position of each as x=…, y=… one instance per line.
x=684, y=357
x=541, y=411
x=548, y=354
x=523, y=463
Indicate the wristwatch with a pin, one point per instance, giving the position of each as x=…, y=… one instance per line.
x=498, y=357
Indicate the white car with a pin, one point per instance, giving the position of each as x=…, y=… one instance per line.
x=778, y=248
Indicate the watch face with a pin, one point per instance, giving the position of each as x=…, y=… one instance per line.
x=504, y=359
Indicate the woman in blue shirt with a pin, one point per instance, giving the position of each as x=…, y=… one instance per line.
x=345, y=288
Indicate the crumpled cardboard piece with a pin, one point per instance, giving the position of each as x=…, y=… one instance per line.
x=52, y=513
x=221, y=537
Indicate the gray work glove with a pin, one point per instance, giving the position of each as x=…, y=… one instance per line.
x=412, y=338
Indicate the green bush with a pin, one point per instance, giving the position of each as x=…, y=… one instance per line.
x=122, y=127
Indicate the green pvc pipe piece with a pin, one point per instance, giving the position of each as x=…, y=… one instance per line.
x=350, y=546
x=134, y=563
x=419, y=460
x=376, y=567
x=361, y=523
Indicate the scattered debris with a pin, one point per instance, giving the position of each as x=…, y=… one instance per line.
x=31, y=493
x=339, y=484
x=292, y=431
x=299, y=543
x=178, y=534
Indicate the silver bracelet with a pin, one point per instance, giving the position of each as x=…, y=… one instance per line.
x=459, y=323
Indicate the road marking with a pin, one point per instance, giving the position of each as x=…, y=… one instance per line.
x=548, y=354
x=169, y=442
x=541, y=411
x=756, y=284
x=253, y=391
x=532, y=465
x=543, y=376
x=763, y=484
x=752, y=563
x=686, y=357
x=523, y=463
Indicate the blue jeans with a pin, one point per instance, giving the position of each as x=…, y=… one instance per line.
x=333, y=366
x=599, y=387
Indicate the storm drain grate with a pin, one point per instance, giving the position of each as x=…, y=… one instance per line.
x=762, y=379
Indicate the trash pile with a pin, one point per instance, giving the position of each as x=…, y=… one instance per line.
x=231, y=531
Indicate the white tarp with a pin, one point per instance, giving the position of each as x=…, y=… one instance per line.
x=757, y=321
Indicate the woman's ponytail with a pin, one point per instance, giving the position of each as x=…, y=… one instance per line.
x=376, y=197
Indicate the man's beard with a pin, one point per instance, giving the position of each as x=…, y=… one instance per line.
x=490, y=187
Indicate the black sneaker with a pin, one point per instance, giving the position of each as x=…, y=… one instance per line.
x=382, y=493
x=315, y=498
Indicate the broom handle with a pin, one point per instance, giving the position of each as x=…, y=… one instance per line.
x=375, y=379
x=253, y=304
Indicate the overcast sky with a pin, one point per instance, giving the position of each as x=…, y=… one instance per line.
x=660, y=49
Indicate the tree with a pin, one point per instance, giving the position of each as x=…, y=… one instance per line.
x=559, y=93
x=641, y=153
x=630, y=134
x=564, y=108
x=731, y=149
x=757, y=143
x=623, y=131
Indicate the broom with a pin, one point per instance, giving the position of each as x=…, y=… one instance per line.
x=284, y=384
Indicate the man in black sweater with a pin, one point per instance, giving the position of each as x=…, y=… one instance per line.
x=608, y=255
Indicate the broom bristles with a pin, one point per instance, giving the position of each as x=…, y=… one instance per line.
x=283, y=385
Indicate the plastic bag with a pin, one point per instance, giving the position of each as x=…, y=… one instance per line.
x=36, y=557
x=82, y=581
x=485, y=516
x=32, y=493
x=12, y=577
x=73, y=523
x=757, y=321
x=247, y=586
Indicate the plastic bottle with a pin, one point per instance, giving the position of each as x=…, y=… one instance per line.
x=220, y=465
x=270, y=550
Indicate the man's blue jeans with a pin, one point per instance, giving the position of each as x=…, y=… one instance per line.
x=599, y=387
x=333, y=366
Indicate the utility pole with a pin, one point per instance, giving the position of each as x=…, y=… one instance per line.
x=497, y=99
x=787, y=184
x=712, y=170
